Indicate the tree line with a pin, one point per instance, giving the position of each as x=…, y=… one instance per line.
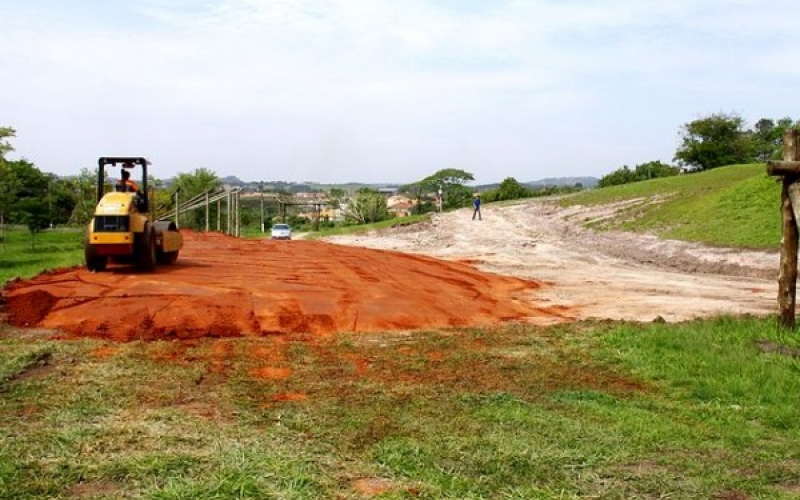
x=40, y=200
x=713, y=141
x=31, y=197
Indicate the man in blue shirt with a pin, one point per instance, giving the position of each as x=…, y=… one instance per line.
x=476, y=203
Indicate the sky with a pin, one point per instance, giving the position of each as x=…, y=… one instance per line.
x=385, y=91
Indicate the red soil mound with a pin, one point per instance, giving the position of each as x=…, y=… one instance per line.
x=224, y=287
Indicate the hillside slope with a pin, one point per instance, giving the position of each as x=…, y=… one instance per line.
x=736, y=206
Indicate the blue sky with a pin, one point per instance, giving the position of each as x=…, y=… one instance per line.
x=385, y=91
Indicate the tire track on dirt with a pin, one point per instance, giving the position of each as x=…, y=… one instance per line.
x=224, y=287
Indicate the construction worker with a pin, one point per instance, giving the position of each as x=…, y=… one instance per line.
x=126, y=184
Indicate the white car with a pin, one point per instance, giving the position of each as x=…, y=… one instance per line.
x=281, y=232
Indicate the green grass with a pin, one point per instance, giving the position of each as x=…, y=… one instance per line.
x=731, y=206
x=710, y=363
x=362, y=228
x=21, y=258
x=589, y=410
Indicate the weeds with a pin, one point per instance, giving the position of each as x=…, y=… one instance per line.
x=612, y=410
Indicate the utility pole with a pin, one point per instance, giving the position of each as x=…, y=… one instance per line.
x=261, y=190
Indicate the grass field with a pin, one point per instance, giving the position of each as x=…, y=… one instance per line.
x=703, y=409
x=22, y=257
x=589, y=410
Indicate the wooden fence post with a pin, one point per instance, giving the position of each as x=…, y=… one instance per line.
x=790, y=214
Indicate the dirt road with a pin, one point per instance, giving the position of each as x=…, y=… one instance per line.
x=529, y=262
x=225, y=287
x=613, y=275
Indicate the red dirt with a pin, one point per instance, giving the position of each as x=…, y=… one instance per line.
x=289, y=396
x=226, y=287
x=373, y=486
x=271, y=372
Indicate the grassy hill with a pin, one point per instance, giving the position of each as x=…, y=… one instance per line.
x=736, y=206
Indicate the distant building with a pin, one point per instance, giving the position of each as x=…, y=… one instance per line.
x=400, y=206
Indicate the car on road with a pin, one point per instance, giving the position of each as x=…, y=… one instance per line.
x=281, y=232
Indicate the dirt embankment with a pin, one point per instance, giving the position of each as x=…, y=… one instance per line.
x=529, y=262
x=224, y=287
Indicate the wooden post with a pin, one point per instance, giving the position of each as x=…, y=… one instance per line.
x=790, y=209
x=787, y=278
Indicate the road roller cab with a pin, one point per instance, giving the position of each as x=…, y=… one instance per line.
x=122, y=229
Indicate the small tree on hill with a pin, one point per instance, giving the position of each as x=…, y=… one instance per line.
x=509, y=189
x=714, y=141
x=643, y=172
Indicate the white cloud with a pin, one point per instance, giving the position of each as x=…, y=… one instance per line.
x=377, y=90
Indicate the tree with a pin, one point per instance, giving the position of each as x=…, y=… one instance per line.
x=194, y=184
x=30, y=193
x=767, y=138
x=199, y=181
x=5, y=146
x=84, y=187
x=367, y=206
x=653, y=170
x=450, y=180
x=61, y=200
x=28, y=196
x=335, y=197
x=8, y=190
x=33, y=214
x=623, y=175
x=420, y=193
x=643, y=172
x=714, y=141
x=8, y=183
x=509, y=189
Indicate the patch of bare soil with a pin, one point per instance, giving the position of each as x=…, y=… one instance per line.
x=527, y=262
x=610, y=275
x=227, y=287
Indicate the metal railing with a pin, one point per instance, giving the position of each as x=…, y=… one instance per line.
x=204, y=200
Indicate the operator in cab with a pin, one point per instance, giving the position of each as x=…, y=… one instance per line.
x=126, y=184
